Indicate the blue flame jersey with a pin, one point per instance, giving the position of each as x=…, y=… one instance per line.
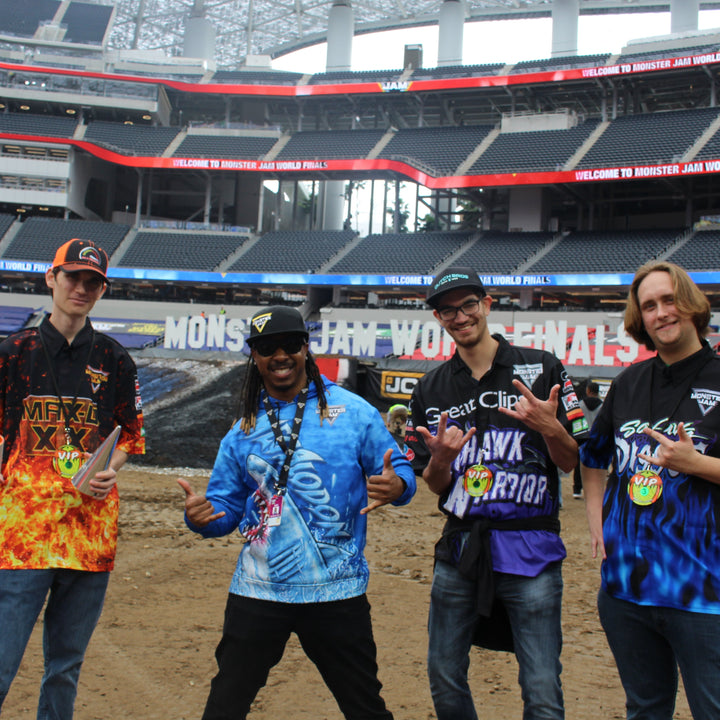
x=316, y=553
x=504, y=472
x=660, y=527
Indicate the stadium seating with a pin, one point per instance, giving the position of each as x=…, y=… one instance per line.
x=502, y=252
x=13, y=318
x=180, y=250
x=292, y=251
x=401, y=252
x=221, y=146
x=700, y=252
x=39, y=237
x=559, y=63
x=648, y=138
x=349, y=76
x=533, y=151
x=6, y=221
x=133, y=139
x=602, y=252
x=441, y=148
x=22, y=19
x=29, y=124
x=259, y=77
x=632, y=57
x=86, y=23
x=456, y=71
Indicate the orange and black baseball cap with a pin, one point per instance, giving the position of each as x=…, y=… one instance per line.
x=78, y=254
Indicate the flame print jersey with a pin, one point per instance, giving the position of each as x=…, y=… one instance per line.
x=316, y=552
x=660, y=527
x=44, y=521
x=504, y=472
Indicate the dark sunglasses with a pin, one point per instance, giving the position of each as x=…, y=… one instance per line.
x=289, y=345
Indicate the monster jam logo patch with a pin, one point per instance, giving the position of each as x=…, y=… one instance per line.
x=96, y=377
x=334, y=412
x=261, y=321
x=706, y=399
x=528, y=373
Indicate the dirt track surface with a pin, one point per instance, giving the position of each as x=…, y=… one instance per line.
x=151, y=657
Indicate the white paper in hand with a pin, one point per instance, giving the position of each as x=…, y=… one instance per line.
x=99, y=460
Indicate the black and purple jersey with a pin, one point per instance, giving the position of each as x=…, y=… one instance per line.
x=504, y=472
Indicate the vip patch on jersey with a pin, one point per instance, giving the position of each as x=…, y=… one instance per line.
x=477, y=480
x=528, y=373
x=645, y=487
x=260, y=321
x=97, y=377
x=67, y=460
x=334, y=412
x=706, y=399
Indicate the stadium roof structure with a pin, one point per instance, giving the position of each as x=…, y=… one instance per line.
x=277, y=27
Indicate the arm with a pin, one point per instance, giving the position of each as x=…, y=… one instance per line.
x=682, y=456
x=395, y=482
x=199, y=511
x=389, y=487
x=444, y=448
x=103, y=482
x=594, y=488
x=541, y=416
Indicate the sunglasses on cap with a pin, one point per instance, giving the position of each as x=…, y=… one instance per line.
x=289, y=344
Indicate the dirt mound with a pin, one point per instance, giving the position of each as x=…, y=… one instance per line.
x=184, y=426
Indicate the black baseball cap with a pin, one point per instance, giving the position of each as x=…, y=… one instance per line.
x=452, y=279
x=276, y=320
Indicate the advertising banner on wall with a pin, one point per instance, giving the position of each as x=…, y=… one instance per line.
x=576, y=344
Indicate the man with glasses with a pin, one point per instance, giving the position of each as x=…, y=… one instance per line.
x=297, y=475
x=64, y=388
x=489, y=429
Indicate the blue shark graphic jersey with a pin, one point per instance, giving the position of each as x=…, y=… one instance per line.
x=660, y=527
x=315, y=554
x=504, y=472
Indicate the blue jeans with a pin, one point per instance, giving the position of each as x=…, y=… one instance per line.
x=73, y=609
x=336, y=636
x=648, y=644
x=533, y=606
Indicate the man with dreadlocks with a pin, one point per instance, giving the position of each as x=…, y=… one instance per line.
x=297, y=475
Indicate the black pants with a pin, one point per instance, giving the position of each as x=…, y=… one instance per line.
x=336, y=636
x=577, y=480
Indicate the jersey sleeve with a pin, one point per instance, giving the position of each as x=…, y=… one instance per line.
x=418, y=451
x=226, y=490
x=378, y=441
x=128, y=408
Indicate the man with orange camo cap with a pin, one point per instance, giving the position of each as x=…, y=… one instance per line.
x=63, y=389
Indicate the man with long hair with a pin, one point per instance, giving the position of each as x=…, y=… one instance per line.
x=655, y=522
x=297, y=475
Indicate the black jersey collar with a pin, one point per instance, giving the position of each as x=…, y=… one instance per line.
x=681, y=370
x=503, y=357
x=56, y=341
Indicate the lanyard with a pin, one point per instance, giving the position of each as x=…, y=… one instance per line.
x=51, y=373
x=287, y=447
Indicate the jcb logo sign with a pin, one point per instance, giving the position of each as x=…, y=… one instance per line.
x=398, y=385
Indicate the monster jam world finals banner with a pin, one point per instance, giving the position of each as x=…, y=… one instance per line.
x=579, y=344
